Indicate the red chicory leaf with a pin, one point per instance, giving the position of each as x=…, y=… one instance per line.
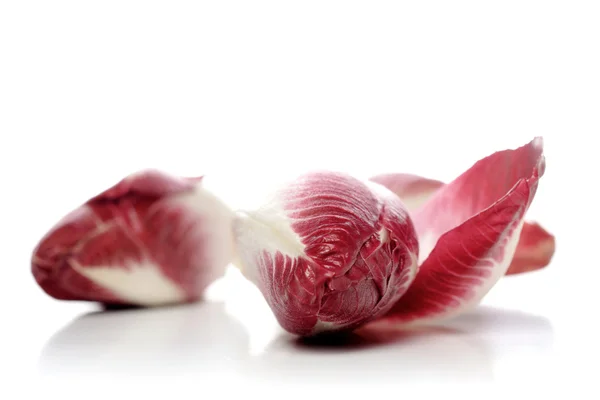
x=535, y=248
x=151, y=239
x=468, y=233
x=328, y=252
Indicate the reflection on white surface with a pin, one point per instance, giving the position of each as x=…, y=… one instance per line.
x=241, y=338
x=465, y=349
x=173, y=340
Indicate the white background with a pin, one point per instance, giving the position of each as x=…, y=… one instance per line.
x=250, y=92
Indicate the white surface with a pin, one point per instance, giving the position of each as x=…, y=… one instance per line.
x=252, y=92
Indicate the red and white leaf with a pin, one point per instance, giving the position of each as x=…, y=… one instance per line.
x=535, y=248
x=328, y=252
x=151, y=239
x=468, y=232
x=413, y=190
